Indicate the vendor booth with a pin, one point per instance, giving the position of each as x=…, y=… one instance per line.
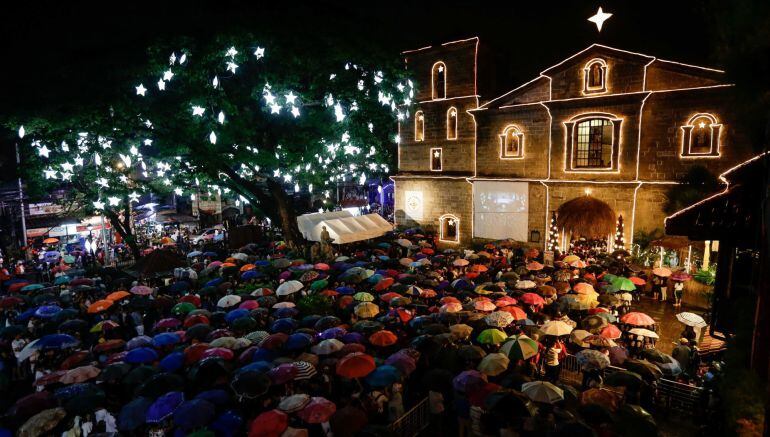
x=343, y=227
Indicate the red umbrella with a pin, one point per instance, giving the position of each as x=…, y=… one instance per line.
x=387, y=297
x=349, y=420
x=50, y=378
x=637, y=280
x=10, y=301
x=427, y=293
x=610, y=331
x=191, y=298
x=249, y=305
x=168, y=323
x=637, y=319
x=383, y=338
x=15, y=288
x=532, y=299
x=220, y=352
x=384, y=284
x=81, y=281
x=478, y=268
x=269, y=424
x=516, y=312
x=194, y=353
x=355, y=365
x=74, y=359
x=319, y=410
x=275, y=341
x=195, y=319
x=109, y=345
x=505, y=301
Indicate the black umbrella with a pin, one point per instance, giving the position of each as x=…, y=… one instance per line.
x=64, y=315
x=644, y=368
x=73, y=325
x=595, y=414
x=633, y=420
x=434, y=329
x=139, y=376
x=471, y=352
x=114, y=372
x=506, y=403
x=250, y=384
x=198, y=332
x=85, y=403
x=160, y=384
x=655, y=356
x=133, y=414
x=624, y=378
x=10, y=332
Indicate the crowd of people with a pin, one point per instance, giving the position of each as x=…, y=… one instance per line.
x=259, y=341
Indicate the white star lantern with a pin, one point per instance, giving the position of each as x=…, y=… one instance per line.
x=49, y=173
x=598, y=19
x=141, y=90
x=259, y=52
x=213, y=138
x=231, y=52
x=290, y=98
x=221, y=117
x=167, y=75
x=22, y=132
x=43, y=151
x=295, y=112
x=114, y=201
x=275, y=108
x=161, y=85
x=98, y=204
x=232, y=66
x=67, y=166
x=134, y=197
x=215, y=82
x=198, y=110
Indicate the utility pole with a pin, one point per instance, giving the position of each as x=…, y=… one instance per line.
x=23, y=239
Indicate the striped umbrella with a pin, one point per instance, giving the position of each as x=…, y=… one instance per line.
x=305, y=370
x=691, y=319
x=520, y=347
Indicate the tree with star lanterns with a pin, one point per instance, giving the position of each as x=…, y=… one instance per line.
x=553, y=234
x=232, y=117
x=620, y=240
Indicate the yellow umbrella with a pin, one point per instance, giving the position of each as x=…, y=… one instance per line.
x=366, y=310
x=460, y=331
x=494, y=364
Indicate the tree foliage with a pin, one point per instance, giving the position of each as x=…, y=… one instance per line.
x=236, y=115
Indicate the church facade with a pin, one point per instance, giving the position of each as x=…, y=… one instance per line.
x=617, y=125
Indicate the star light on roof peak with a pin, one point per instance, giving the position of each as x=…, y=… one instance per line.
x=599, y=18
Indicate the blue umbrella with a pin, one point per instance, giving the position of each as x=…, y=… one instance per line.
x=166, y=339
x=263, y=355
x=286, y=312
x=66, y=393
x=236, y=314
x=195, y=253
x=228, y=424
x=217, y=397
x=9, y=282
x=172, y=362
x=179, y=287
x=210, y=254
x=262, y=263
x=193, y=414
x=345, y=290
x=251, y=274
x=283, y=325
x=383, y=245
x=352, y=337
x=164, y=406
x=25, y=316
x=47, y=311
x=308, y=321
x=297, y=342
x=141, y=355
x=383, y=376
x=214, y=282
x=259, y=366
x=56, y=341
x=375, y=278
x=133, y=414
x=139, y=341
x=61, y=280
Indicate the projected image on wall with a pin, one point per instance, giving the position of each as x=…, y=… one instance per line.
x=501, y=210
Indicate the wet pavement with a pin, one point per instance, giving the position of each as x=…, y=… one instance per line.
x=664, y=313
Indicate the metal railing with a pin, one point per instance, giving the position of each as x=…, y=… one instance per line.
x=671, y=396
x=412, y=422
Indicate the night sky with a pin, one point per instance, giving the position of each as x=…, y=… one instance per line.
x=60, y=52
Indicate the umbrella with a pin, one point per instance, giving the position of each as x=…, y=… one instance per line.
x=383, y=338
x=250, y=384
x=55, y=342
x=499, y=319
x=520, y=347
x=542, y=391
x=42, y=422
x=623, y=284
x=133, y=414
x=141, y=355
x=484, y=305
x=637, y=319
x=229, y=301
x=317, y=410
x=164, y=407
x=355, y=365
x=599, y=341
x=99, y=306
x=194, y=414
x=289, y=287
x=491, y=336
x=590, y=359
x=460, y=331
x=366, y=310
x=80, y=374
x=166, y=339
x=47, y=311
x=644, y=333
x=494, y=364
x=294, y=403
x=610, y=331
x=556, y=328
x=327, y=347
x=623, y=378
x=600, y=396
x=383, y=376
x=691, y=319
x=467, y=380
x=141, y=290
x=663, y=272
x=637, y=281
x=680, y=277
x=269, y=424
x=646, y=369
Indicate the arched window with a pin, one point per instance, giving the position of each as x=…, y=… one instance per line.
x=419, y=126
x=436, y=159
x=701, y=136
x=595, y=76
x=593, y=142
x=449, y=228
x=511, y=143
x=451, y=124
x=438, y=80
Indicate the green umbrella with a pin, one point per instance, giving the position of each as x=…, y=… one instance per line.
x=182, y=308
x=491, y=336
x=61, y=280
x=623, y=284
x=319, y=285
x=32, y=287
x=363, y=296
x=520, y=347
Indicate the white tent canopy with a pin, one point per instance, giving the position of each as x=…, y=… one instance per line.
x=342, y=226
